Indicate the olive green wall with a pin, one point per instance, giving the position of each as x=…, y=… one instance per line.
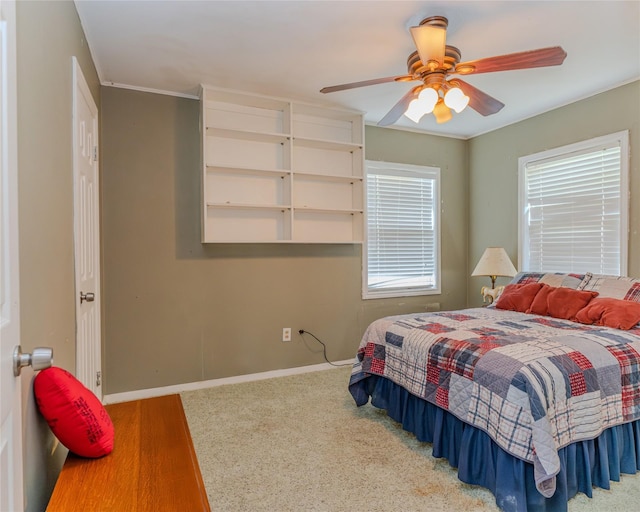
x=493, y=164
x=48, y=35
x=451, y=156
x=178, y=311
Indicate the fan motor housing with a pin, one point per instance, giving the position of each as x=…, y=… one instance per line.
x=419, y=71
x=436, y=21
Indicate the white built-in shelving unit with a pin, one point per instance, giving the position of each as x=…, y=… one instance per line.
x=277, y=171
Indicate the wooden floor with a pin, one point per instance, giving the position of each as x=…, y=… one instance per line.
x=153, y=466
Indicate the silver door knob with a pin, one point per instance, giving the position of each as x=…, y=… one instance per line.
x=89, y=297
x=39, y=359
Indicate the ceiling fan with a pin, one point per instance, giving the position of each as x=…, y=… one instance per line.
x=433, y=63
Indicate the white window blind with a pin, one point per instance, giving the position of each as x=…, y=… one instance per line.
x=574, y=215
x=402, y=249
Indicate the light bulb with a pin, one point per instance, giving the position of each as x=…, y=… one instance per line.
x=456, y=99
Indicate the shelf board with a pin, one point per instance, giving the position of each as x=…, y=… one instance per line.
x=229, y=169
x=306, y=209
x=326, y=144
x=284, y=241
x=279, y=138
x=301, y=175
x=246, y=206
x=334, y=242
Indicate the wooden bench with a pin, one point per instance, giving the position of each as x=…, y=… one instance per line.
x=153, y=466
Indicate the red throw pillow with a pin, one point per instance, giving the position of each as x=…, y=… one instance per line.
x=591, y=313
x=616, y=313
x=539, y=304
x=565, y=303
x=74, y=413
x=518, y=297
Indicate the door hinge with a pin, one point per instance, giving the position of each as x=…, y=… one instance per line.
x=98, y=378
x=95, y=153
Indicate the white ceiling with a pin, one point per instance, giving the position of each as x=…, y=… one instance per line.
x=292, y=49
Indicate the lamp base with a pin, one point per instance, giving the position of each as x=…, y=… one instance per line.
x=489, y=295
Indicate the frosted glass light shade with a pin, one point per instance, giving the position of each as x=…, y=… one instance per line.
x=456, y=99
x=429, y=97
x=422, y=105
x=430, y=41
x=441, y=112
x=415, y=111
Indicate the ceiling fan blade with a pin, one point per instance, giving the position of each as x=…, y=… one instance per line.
x=399, y=108
x=553, y=56
x=430, y=42
x=479, y=101
x=364, y=83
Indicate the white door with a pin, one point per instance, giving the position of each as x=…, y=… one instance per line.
x=86, y=234
x=11, y=493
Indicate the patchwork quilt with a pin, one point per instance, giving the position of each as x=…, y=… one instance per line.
x=535, y=384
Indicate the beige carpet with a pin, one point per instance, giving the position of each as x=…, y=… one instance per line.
x=300, y=444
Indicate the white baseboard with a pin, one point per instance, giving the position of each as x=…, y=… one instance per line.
x=193, y=386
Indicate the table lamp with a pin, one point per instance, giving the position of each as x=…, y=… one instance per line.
x=493, y=263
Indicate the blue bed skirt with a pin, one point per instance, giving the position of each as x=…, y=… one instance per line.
x=481, y=462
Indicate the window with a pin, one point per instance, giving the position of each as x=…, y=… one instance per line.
x=402, y=250
x=574, y=207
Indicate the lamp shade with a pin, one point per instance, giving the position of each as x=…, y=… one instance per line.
x=494, y=262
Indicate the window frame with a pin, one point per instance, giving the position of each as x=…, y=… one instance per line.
x=395, y=168
x=620, y=138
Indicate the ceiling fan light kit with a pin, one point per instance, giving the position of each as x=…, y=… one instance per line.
x=432, y=64
x=428, y=99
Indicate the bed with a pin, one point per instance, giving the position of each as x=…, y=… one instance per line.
x=536, y=399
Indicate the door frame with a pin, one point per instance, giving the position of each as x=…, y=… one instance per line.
x=88, y=358
x=10, y=317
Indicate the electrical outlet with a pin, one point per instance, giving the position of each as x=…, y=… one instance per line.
x=286, y=334
x=432, y=306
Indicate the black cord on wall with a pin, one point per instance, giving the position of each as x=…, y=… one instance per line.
x=324, y=348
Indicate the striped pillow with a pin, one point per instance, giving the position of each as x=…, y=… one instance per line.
x=615, y=287
x=555, y=279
